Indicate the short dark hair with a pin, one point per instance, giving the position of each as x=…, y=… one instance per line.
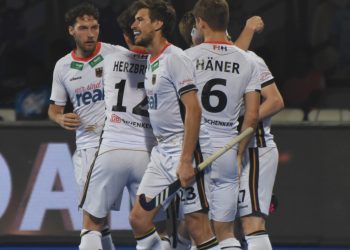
x=159, y=10
x=125, y=20
x=214, y=12
x=79, y=11
x=186, y=25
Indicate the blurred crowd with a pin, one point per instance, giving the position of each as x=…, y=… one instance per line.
x=307, y=49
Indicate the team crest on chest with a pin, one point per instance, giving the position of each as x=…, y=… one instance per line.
x=99, y=71
x=154, y=78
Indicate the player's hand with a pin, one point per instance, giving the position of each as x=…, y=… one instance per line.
x=185, y=172
x=69, y=121
x=255, y=24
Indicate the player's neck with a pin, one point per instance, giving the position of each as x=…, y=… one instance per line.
x=157, y=46
x=215, y=36
x=83, y=54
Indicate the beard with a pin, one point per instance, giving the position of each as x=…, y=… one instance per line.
x=86, y=49
x=145, y=41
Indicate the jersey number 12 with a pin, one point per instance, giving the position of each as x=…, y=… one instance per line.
x=138, y=109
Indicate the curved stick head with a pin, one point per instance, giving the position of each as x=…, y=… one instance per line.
x=148, y=206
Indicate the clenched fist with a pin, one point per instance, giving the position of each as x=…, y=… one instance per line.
x=255, y=23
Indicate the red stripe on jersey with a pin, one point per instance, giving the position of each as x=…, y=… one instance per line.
x=78, y=58
x=220, y=42
x=154, y=58
x=140, y=51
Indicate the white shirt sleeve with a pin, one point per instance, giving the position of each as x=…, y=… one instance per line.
x=254, y=81
x=265, y=75
x=58, y=92
x=181, y=73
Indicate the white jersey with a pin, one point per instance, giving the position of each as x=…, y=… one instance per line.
x=169, y=75
x=80, y=80
x=127, y=120
x=263, y=136
x=224, y=73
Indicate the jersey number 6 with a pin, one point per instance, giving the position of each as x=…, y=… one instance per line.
x=208, y=92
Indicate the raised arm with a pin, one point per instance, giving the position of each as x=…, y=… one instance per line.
x=253, y=25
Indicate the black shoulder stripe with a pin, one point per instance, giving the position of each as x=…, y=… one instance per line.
x=105, y=232
x=53, y=102
x=187, y=88
x=267, y=83
x=84, y=233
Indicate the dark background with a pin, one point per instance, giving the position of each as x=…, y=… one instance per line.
x=305, y=43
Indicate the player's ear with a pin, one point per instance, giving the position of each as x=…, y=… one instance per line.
x=158, y=25
x=200, y=23
x=71, y=30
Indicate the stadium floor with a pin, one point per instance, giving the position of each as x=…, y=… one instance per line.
x=132, y=248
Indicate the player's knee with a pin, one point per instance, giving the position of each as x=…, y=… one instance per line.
x=252, y=223
x=94, y=223
x=137, y=219
x=97, y=221
x=223, y=230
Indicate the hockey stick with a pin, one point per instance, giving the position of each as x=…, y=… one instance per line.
x=175, y=186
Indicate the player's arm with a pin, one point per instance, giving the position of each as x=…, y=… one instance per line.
x=253, y=24
x=272, y=101
x=193, y=115
x=251, y=117
x=69, y=121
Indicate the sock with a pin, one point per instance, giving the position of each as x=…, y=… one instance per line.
x=182, y=243
x=107, y=241
x=166, y=243
x=90, y=240
x=210, y=244
x=230, y=244
x=150, y=240
x=193, y=248
x=258, y=241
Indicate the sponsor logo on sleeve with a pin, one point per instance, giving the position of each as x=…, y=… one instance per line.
x=265, y=75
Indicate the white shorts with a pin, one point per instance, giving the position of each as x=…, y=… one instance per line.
x=113, y=170
x=82, y=160
x=161, y=172
x=258, y=178
x=224, y=187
